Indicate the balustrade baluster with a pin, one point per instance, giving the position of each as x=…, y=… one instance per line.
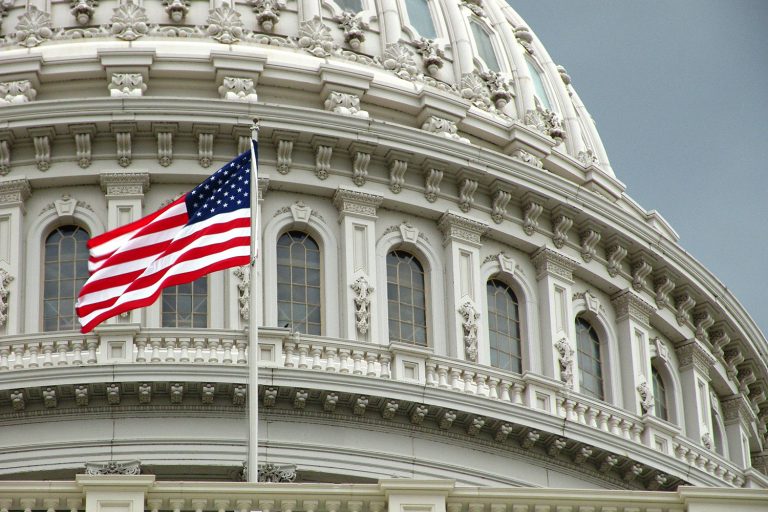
x=213, y=350
x=50, y=504
x=493, y=388
x=91, y=345
x=371, y=358
x=288, y=350
x=481, y=388
x=637, y=430
x=170, y=350
x=18, y=354
x=141, y=347
x=184, y=349
x=456, y=383
x=330, y=359
x=384, y=361
x=431, y=374
x=74, y=504
x=316, y=352
x=33, y=360
x=580, y=410
x=303, y=351
x=560, y=403
x=357, y=362
x=343, y=360
x=625, y=426
x=227, y=344
x=569, y=405
x=4, y=352
x=155, y=343
x=62, y=347
x=47, y=347
x=592, y=417
x=199, y=344
x=613, y=425
x=442, y=377
x=517, y=393
x=241, y=346
x=504, y=387
x=77, y=352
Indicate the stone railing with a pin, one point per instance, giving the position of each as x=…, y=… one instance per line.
x=278, y=349
x=91, y=493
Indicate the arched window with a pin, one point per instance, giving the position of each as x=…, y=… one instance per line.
x=66, y=270
x=590, y=362
x=353, y=6
x=420, y=16
x=186, y=305
x=538, y=85
x=718, y=439
x=484, y=46
x=298, y=283
x=661, y=410
x=406, y=299
x=504, y=326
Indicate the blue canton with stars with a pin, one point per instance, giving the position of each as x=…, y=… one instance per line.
x=226, y=190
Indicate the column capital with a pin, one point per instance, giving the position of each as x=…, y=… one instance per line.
x=356, y=202
x=737, y=409
x=694, y=353
x=550, y=262
x=458, y=228
x=14, y=192
x=124, y=184
x=629, y=304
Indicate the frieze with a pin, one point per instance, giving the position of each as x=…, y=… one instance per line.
x=458, y=228
x=550, y=262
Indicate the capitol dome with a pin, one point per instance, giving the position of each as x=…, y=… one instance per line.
x=460, y=306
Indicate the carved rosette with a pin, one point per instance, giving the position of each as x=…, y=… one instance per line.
x=315, y=37
x=129, y=22
x=224, y=24
x=243, y=290
x=469, y=325
x=33, y=28
x=354, y=29
x=5, y=279
x=565, y=358
x=432, y=55
x=399, y=59
x=363, y=292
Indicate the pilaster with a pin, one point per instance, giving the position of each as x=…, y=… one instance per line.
x=462, y=239
x=632, y=324
x=695, y=361
x=124, y=192
x=357, y=217
x=554, y=273
x=13, y=194
x=115, y=493
x=737, y=417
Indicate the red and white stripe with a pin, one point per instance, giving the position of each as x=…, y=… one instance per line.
x=132, y=264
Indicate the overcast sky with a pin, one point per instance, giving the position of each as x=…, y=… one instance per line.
x=678, y=90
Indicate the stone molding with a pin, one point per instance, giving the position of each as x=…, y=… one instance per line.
x=124, y=184
x=356, y=202
x=14, y=192
x=550, y=262
x=458, y=228
x=629, y=304
x=694, y=353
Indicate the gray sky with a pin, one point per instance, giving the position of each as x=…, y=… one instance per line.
x=678, y=90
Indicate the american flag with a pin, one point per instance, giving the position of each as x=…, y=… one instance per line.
x=206, y=230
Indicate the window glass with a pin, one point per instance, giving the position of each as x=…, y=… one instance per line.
x=298, y=283
x=353, y=6
x=186, y=305
x=65, y=272
x=538, y=85
x=660, y=396
x=421, y=18
x=484, y=46
x=406, y=299
x=503, y=327
x=590, y=366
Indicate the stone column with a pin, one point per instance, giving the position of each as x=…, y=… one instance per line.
x=738, y=416
x=357, y=216
x=695, y=362
x=125, y=198
x=308, y=9
x=390, y=18
x=463, y=48
x=632, y=326
x=13, y=193
x=554, y=273
x=462, y=242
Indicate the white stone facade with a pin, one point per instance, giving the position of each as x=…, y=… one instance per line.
x=373, y=139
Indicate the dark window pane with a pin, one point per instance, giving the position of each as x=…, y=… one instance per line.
x=503, y=325
x=298, y=276
x=186, y=305
x=65, y=252
x=406, y=300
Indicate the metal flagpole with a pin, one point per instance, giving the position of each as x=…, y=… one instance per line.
x=253, y=329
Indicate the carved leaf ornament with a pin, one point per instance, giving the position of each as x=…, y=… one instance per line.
x=224, y=24
x=129, y=22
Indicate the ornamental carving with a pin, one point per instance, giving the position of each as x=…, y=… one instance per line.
x=399, y=59
x=443, y=128
x=83, y=10
x=627, y=303
x=127, y=84
x=363, y=292
x=522, y=155
x=273, y=473
x=663, y=286
x=525, y=38
x=475, y=89
x=646, y=396
x=587, y=158
x=5, y=279
x=432, y=55
x=546, y=121
x=462, y=229
x=243, y=276
x=176, y=9
x=267, y=12
x=4, y=6
x=561, y=224
x=113, y=468
x=640, y=270
x=345, y=103
x=553, y=263
x=469, y=318
x=224, y=24
x=616, y=254
x=499, y=204
x=5, y=157
x=238, y=89
x=432, y=184
x=33, y=28
x=129, y=22
x=19, y=91
x=589, y=239
x=499, y=88
x=531, y=213
x=565, y=358
x=467, y=189
x=476, y=6
x=354, y=29
x=397, y=170
x=315, y=37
